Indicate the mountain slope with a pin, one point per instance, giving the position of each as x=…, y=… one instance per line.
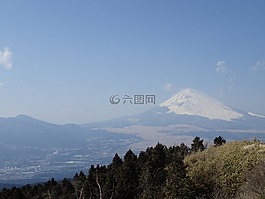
x=27, y=131
x=192, y=108
x=191, y=102
x=187, y=114
x=225, y=166
x=34, y=150
x=31, y=147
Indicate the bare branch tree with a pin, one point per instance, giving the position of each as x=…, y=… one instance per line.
x=255, y=184
x=113, y=190
x=99, y=187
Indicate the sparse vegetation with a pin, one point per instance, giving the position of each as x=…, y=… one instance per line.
x=223, y=169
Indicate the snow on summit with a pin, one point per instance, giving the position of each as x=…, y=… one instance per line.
x=256, y=115
x=192, y=102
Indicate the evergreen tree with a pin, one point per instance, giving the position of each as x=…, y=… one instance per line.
x=116, y=161
x=178, y=185
x=128, y=178
x=17, y=193
x=52, y=189
x=197, y=145
x=180, y=151
x=79, y=182
x=91, y=188
x=56, y=191
x=112, y=176
x=153, y=174
x=68, y=189
x=184, y=150
x=218, y=141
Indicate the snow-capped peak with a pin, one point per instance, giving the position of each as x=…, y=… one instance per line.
x=192, y=102
x=256, y=115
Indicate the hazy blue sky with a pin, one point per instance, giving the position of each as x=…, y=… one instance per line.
x=60, y=61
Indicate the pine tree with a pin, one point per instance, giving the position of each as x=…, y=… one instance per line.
x=197, y=145
x=184, y=150
x=153, y=175
x=68, y=189
x=79, y=182
x=218, y=141
x=128, y=178
x=112, y=176
x=178, y=185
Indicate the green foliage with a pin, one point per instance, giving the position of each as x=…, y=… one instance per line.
x=178, y=185
x=223, y=167
x=235, y=169
x=127, y=180
x=254, y=187
x=68, y=190
x=153, y=175
x=197, y=145
x=218, y=141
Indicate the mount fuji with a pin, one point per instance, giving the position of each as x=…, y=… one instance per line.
x=34, y=150
x=187, y=114
x=191, y=102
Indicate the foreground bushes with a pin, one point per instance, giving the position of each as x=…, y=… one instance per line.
x=232, y=170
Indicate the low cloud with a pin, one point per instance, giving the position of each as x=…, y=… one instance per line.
x=6, y=58
x=259, y=65
x=2, y=84
x=168, y=87
x=221, y=67
x=227, y=73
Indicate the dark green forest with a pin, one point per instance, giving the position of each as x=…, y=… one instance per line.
x=223, y=170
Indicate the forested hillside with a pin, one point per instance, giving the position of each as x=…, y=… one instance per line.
x=218, y=171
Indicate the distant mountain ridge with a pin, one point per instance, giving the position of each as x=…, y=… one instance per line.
x=29, y=131
x=34, y=149
x=187, y=114
x=194, y=108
